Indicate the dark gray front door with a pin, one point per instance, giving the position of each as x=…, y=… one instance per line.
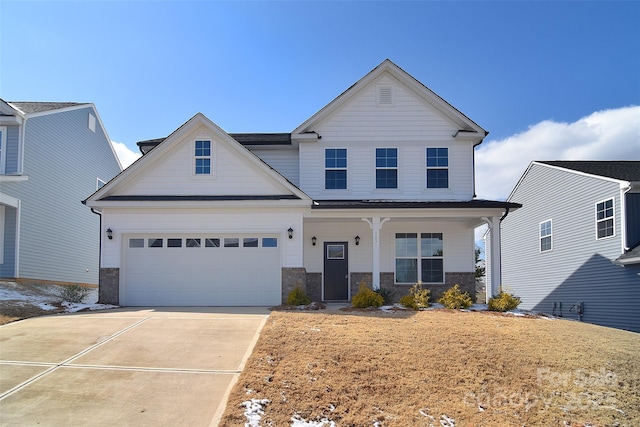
x=336, y=271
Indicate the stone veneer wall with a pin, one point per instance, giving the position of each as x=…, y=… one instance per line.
x=314, y=286
x=292, y=277
x=109, y=288
x=356, y=278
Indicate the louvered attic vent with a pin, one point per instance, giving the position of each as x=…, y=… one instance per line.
x=385, y=95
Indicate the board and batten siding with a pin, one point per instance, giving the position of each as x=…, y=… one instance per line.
x=410, y=124
x=579, y=268
x=172, y=173
x=59, y=236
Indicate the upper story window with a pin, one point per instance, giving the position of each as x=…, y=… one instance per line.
x=545, y=236
x=335, y=173
x=437, y=168
x=604, y=219
x=386, y=168
x=203, y=157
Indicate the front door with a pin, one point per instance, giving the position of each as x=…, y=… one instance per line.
x=336, y=271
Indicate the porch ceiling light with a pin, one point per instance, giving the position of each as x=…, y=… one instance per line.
x=314, y=239
x=290, y=231
x=109, y=232
x=357, y=240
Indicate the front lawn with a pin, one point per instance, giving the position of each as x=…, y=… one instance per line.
x=437, y=367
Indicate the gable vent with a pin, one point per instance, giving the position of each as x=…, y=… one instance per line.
x=385, y=95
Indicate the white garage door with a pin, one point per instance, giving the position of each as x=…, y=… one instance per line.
x=239, y=270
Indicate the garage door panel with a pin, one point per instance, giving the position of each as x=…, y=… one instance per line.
x=201, y=276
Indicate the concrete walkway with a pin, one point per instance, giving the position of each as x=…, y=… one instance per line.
x=125, y=367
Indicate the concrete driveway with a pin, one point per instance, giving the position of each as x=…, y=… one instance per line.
x=124, y=367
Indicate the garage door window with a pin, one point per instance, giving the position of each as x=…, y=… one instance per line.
x=192, y=243
x=136, y=243
x=250, y=242
x=231, y=242
x=212, y=243
x=155, y=243
x=174, y=243
x=269, y=242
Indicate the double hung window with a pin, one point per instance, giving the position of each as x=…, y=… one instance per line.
x=335, y=173
x=203, y=157
x=419, y=257
x=386, y=168
x=437, y=168
x=604, y=219
x=545, y=236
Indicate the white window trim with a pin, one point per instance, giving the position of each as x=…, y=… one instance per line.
x=613, y=217
x=427, y=167
x=98, y=181
x=540, y=236
x=212, y=159
x=346, y=169
x=3, y=148
x=420, y=257
x=397, y=168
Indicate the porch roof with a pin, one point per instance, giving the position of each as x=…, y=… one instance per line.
x=412, y=204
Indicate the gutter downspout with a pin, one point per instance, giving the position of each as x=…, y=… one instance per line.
x=99, y=247
x=623, y=216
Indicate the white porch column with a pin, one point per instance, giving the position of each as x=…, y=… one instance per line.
x=495, y=265
x=376, y=225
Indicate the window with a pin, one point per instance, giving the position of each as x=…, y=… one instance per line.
x=335, y=163
x=231, y=242
x=136, y=243
x=386, y=168
x=269, y=242
x=429, y=253
x=174, y=243
x=335, y=251
x=250, y=242
x=545, y=236
x=192, y=243
x=604, y=219
x=437, y=168
x=211, y=243
x=155, y=243
x=203, y=157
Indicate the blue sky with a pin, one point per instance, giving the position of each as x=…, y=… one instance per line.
x=563, y=76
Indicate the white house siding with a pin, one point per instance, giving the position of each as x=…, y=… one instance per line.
x=410, y=124
x=579, y=268
x=172, y=173
x=62, y=159
x=284, y=160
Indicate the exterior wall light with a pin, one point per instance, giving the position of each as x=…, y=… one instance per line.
x=357, y=240
x=290, y=231
x=314, y=239
x=109, y=232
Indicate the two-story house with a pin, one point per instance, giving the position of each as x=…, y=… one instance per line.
x=376, y=186
x=573, y=249
x=51, y=155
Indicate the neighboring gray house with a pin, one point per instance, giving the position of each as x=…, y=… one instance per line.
x=52, y=154
x=573, y=249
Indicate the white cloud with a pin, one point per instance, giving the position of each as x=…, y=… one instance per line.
x=603, y=135
x=125, y=155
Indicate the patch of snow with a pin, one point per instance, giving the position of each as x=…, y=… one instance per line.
x=45, y=306
x=254, y=410
x=447, y=422
x=297, y=421
x=72, y=307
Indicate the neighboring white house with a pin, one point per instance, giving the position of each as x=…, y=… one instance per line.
x=573, y=249
x=52, y=154
x=377, y=186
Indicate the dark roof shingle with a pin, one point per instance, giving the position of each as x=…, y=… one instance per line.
x=623, y=170
x=39, y=107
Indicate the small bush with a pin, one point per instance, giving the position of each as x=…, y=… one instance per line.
x=503, y=302
x=387, y=295
x=456, y=299
x=73, y=293
x=367, y=297
x=417, y=298
x=298, y=297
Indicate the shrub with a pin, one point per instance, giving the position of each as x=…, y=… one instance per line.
x=367, y=297
x=298, y=297
x=456, y=299
x=387, y=295
x=417, y=298
x=73, y=293
x=504, y=301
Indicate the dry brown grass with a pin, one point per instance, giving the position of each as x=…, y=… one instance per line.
x=481, y=369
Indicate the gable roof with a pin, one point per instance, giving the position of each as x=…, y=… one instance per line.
x=622, y=170
x=253, y=139
x=40, y=107
x=106, y=193
x=632, y=256
x=467, y=127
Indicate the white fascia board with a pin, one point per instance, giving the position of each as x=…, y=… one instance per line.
x=524, y=174
x=196, y=204
x=621, y=182
x=443, y=214
x=11, y=120
x=8, y=200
